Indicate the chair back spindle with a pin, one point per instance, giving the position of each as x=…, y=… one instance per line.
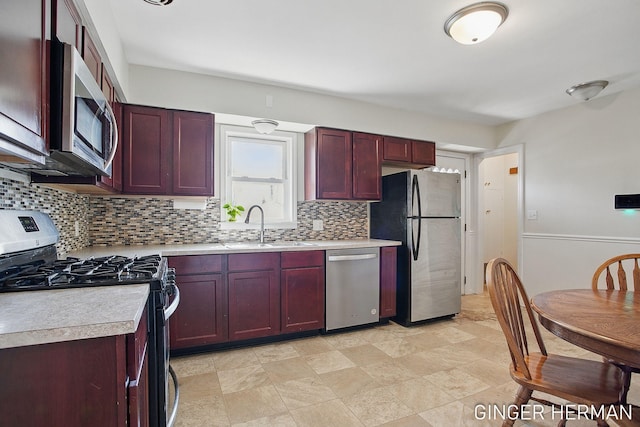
x=620, y=262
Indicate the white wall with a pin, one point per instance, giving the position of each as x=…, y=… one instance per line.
x=575, y=160
x=190, y=91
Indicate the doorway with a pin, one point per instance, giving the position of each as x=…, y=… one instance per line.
x=499, y=192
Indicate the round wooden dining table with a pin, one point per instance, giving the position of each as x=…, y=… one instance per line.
x=602, y=321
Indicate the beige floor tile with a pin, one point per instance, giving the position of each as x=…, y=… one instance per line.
x=200, y=412
x=434, y=374
x=458, y=383
x=397, y=347
x=378, y=406
x=275, y=352
x=312, y=345
x=304, y=392
x=283, y=420
x=233, y=359
x=252, y=404
x=349, y=381
x=234, y=380
x=326, y=414
x=199, y=386
x=288, y=369
x=387, y=373
x=328, y=362
x=364, y=355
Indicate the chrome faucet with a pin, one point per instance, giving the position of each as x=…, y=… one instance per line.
x=246, y=221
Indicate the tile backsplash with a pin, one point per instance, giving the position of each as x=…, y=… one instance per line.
x=118, y=220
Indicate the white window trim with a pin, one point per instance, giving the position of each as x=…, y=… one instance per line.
x=230, y=130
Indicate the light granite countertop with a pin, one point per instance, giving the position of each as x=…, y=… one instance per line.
x=40, y=317
x=230, y=247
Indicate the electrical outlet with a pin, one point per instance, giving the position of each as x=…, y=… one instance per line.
x=318, y=225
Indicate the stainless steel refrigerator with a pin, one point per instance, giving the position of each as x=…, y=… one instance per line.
x=422, y=209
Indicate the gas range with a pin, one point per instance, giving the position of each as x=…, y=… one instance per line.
x=28, y=262
x=28, y=259
x=42, y=274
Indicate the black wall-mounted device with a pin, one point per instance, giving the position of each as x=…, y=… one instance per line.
x=627, y=201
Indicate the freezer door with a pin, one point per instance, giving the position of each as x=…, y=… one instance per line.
x=435, y=194
x=435, y=274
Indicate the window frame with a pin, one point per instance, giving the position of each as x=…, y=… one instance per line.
x=289, y=140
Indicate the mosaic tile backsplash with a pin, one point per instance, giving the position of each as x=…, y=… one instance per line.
x=117, y=220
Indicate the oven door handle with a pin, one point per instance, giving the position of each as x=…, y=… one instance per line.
x=174, y=304
x=176, y=398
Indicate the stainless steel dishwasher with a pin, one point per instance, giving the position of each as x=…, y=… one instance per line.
x=352, y=294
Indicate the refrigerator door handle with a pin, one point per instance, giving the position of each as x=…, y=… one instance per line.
x=415, y=193
x=415, y=243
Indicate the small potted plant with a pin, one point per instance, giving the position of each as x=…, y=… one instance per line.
x=233, y=211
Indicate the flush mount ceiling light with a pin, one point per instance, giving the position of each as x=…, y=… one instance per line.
x=475, y=23
x=159, y=2
x=586, y=91
x=265, y=126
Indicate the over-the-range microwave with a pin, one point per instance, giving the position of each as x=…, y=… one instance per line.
x=83, y=128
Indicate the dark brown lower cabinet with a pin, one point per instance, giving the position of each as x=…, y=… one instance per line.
x=302, y=291
x=201, y=316
x=254, y=295
x=75, y=383
x=388, y=268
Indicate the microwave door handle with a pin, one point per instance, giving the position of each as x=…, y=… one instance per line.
x=113, y=137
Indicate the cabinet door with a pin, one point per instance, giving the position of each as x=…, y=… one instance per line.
x=23, y=76
x=192, y=153
x=146, y=145
x=200, y=318
x=367, y=166
x=396, y=149
x=91, y=56
x=254, y=295
x=388, y=268
x=302, y=299
x=423, y=153
x=67, y=24
x=334, y=164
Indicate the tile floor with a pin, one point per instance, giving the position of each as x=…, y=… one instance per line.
x=430, y=375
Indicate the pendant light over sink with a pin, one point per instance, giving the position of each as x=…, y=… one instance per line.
x=476, y=23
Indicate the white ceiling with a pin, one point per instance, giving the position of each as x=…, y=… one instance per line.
x=395, y=52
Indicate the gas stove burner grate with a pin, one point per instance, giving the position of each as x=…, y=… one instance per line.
x=74, y=272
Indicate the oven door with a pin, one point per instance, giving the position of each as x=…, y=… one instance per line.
x=163, y=302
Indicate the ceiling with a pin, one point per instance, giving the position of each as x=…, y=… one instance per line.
x=395, y=52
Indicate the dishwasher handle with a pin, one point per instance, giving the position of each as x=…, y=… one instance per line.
x=351, y=257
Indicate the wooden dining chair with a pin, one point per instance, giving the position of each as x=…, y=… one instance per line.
x=577, y=380
x=620, y=261
x=621, y=264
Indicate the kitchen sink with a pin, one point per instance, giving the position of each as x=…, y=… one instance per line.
x=247, y=245
x=293, y=243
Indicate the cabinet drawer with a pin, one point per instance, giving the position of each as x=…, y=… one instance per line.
x=254, y=261
x=302, y=259
x=196, y=264
x=136, y=347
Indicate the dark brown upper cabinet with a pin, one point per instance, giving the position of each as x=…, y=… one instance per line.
x=24, y=72
x=342, y=165
x=408, y=152
x=167, y=152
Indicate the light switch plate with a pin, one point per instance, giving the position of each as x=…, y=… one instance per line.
x=318, y=225
x=532, y=214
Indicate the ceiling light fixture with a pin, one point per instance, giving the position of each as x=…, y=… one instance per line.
x=159, y=2
x=476, y=23
x=265, y=126
x=586, y=91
